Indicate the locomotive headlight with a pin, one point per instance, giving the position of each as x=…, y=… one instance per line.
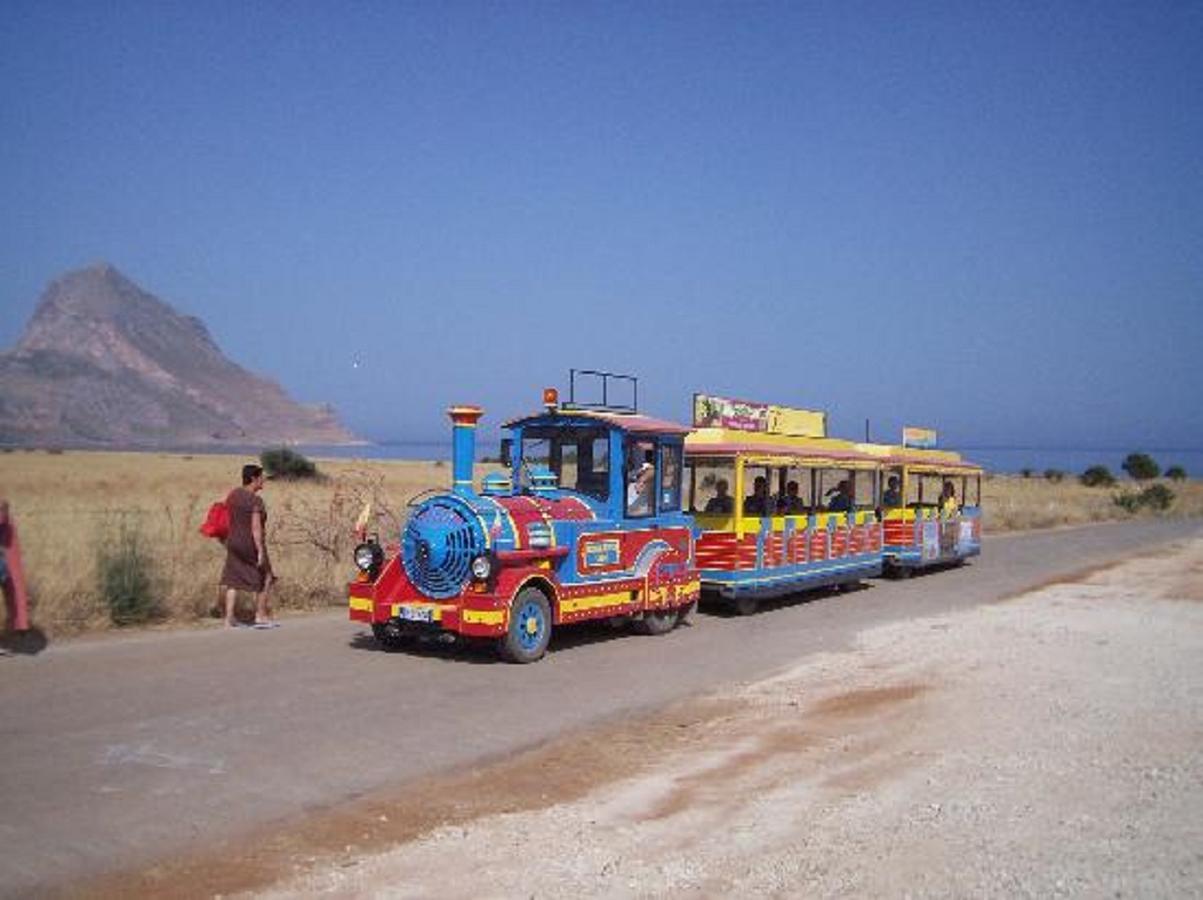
x=482, y=568
x=368, y=556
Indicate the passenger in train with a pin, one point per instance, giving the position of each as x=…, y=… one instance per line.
x=842, y=499
x=757, y=503
x=790, y=503
x=721, y=502
x=639, y=491
x=948, y=499
x=893, y=492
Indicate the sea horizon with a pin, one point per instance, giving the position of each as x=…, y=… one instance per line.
x=1001, y=459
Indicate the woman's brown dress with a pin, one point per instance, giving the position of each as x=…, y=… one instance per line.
x=241, y=571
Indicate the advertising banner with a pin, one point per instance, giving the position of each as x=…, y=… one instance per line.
x=919, y=438
x=743, y=415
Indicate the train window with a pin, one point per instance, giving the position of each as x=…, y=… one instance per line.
x=973, y=491
x=758, y=489
x=704, y=493
x=580, y=458
x=640, y=478
x=795, y=494
x=670, y=478
x=891, y=489
x=585, y=465
x=836, y=489
x=536, y=452
x=864, y=488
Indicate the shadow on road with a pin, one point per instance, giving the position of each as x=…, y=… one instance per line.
x=23, y=643
x=723, y=609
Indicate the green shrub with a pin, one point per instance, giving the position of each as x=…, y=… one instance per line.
x=1175, y=473
x=1026, y=473
x=1097, y=476
x=1127, y=501
x=283, y=462
x=1054, y=475
x=125, y=567
x=1141, y=466
x=1157, y=497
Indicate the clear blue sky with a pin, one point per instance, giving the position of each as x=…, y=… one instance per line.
x=987, y=218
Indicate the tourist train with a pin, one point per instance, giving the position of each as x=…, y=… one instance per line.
x=604, y=513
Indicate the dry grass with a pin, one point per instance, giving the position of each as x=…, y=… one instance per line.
x=66, y=504
x=1013, y=503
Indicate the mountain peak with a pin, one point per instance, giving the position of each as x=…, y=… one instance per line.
x=102, y=361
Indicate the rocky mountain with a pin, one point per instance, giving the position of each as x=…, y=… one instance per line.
x=104, y=363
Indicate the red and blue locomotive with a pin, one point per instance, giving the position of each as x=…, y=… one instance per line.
x=586, y=525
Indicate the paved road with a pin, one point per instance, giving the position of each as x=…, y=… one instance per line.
x=115, y=752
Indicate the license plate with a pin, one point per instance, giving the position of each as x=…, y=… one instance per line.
x=417, y=613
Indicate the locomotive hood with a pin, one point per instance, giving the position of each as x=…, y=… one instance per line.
x=445, y=533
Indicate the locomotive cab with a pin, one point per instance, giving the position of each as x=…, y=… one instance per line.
x=587, y=525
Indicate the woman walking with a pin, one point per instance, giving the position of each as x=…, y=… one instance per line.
x=248, y=567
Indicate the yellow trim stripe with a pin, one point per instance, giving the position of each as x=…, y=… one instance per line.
x=482, y=616
x=362, y=604
x=597, y=601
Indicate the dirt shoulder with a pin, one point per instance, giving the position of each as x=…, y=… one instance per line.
x=1051, y=744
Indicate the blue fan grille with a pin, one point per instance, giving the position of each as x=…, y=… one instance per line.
x=438, y=545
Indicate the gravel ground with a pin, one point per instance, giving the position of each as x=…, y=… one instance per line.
x=1049, y=745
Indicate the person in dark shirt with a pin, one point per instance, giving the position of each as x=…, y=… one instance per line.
x=721, y=502
x=757, y=504
x=842, y=501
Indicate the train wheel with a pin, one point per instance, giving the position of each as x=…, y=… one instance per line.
x=659, y=622
x=685, y=613
x=745, y=606
x=530, y=627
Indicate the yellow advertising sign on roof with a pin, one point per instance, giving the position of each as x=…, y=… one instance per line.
x=919, y=438
x=744, y=415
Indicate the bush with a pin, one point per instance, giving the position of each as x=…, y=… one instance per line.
x=126, y=571
x=1026, y=473
x=1141, y=466
x=1127, y=501
x=1175, y=473
x=1054, y=475
x=1097, y=476
x=1157, y=497
x=282, y=462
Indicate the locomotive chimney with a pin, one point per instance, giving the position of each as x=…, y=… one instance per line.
x=463, y=446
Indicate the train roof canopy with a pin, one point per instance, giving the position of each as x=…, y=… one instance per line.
x=633, y=423
x=811, y=451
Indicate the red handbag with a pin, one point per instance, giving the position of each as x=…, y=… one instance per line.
x=217, y=522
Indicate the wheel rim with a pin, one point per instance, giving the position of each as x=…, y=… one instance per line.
x=531, y=624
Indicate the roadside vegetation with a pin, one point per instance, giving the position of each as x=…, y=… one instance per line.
x=111, y=539
x=1015, y=502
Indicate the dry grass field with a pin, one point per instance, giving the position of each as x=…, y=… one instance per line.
x=70, y=507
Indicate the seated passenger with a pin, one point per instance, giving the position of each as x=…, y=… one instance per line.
x=721, y=502
x=948, y=499
x=893, y=494
x=639, y=491
x=791, y=503
x=842, y=501
x=757, y=503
